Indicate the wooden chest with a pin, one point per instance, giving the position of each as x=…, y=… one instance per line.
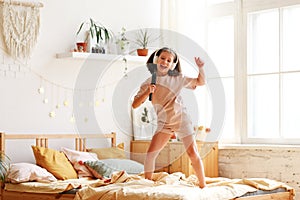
x=174, y=159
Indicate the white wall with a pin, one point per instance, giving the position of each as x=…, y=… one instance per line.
x=22, y=108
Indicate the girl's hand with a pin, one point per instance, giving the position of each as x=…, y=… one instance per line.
x=152, y=88
x=199, y=62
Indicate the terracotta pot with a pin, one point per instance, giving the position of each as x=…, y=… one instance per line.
x=82, y=46
x=142, y=52
x=173, y=136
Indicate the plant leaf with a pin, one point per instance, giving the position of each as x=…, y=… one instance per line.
x=4, y=166
x=107, y=36
x=92, y=22
x=80, y=27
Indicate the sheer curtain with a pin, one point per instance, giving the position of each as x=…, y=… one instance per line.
x=184, y=16
x=188, y=17
x=170, y=14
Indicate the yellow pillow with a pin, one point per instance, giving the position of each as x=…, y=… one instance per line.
x=106, y=153
x=121, y=146
x=55, y=162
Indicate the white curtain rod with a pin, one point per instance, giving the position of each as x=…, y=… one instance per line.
x=24, y=3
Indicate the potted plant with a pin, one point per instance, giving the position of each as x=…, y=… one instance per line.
x=4, y=166
x=97, y=30
x=145, y=117
x=143, y=38
x=123, y=43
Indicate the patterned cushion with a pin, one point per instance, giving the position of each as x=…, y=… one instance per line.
x=104, y=168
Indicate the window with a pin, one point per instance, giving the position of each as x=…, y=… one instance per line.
x=255, y=46
x=273, y=72
x=263, y=76
x=290, y=75
x=223, y=57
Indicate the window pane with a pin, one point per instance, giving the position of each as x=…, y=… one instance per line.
x=291, y=39
x=290, y=105
x=228, y=128
x=263, y=104
x=263, y=42
x=204, y=106
x=221, y=44
x=227, y=131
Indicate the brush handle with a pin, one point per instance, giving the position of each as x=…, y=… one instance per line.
x=153, y=82
x=150, y=96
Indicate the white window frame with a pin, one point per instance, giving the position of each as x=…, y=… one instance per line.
x=240, y=9
x=248, y=7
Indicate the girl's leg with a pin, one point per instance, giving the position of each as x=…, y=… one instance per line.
x=191, y=149
x=158, y=142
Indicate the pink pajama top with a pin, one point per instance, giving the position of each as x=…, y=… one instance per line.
x=167, y=102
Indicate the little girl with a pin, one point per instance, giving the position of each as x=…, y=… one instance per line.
x=171, y=113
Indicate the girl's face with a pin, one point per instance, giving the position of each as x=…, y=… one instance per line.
x=164, y=62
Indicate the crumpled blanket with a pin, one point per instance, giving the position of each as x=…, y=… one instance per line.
x=50, y=188
x=166, y=186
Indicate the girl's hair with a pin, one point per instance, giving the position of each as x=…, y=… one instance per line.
x=177, y=70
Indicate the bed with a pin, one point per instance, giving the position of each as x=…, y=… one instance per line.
x=43, y=140
x=122, y=184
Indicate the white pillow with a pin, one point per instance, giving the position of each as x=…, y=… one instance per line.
x=77, y=158
x=24, y=172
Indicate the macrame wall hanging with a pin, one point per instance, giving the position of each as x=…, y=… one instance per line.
x=21, y=23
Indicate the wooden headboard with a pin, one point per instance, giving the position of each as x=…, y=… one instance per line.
x=42, y=139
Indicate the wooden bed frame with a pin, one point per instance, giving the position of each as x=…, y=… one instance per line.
x=80, y=141
x=43, y=140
